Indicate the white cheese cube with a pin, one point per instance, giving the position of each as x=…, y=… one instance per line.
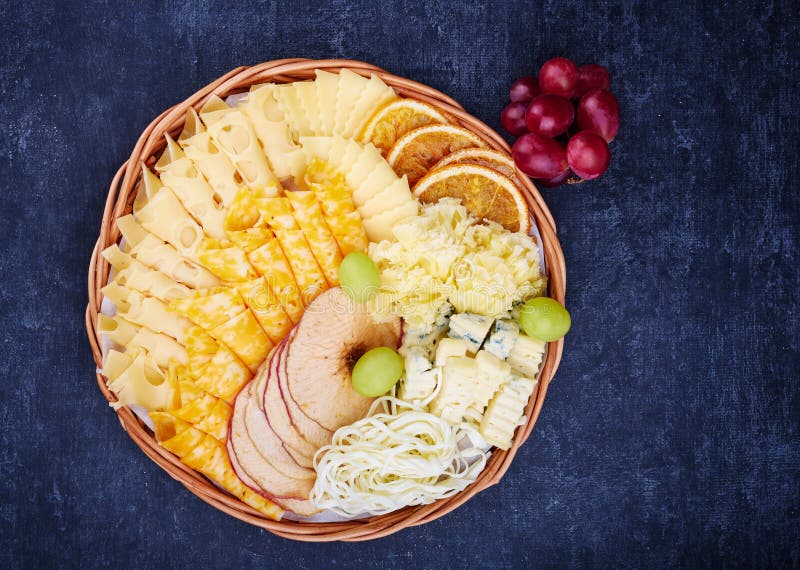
x=504, y=336
x=526, y=356
x=449, y=347
x=457, y=389
x=471, y=328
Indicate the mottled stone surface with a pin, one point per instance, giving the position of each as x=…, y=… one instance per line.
x=670, y=434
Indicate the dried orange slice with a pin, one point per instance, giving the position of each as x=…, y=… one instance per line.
x=417, y=151
x=485, y=193
x=395, y=119
x=488, y=157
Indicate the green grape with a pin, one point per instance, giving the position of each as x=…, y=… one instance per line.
x=544, y=318
x=377, y=371
x=359, y=276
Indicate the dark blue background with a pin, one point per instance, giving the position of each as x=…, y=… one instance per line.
x=670, y=434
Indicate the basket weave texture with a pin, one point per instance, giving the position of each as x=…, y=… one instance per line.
x=120, y=199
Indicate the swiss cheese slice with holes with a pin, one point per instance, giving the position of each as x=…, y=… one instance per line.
x=233, y=133
x=155, y=253
x=160, y=212
x=289, y=102
x=181, y=176
x=143, y=384
x=162, y=348
x=274, y=133
x=217, y=168
x=147, y=312
x=131, y=273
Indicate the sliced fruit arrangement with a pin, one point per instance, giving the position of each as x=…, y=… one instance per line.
x=485, y=193
x=415, y=153
x=301, y=396
x=229, y=327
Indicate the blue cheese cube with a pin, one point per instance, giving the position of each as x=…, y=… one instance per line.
x=502, y=340
x=471, y=328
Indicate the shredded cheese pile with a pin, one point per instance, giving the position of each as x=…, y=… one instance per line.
x=445, y=254
x=388, y=461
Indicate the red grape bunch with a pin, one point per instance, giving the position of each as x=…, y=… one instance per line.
x=564, y=119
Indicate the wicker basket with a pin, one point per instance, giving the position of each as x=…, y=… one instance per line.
x=120, y=198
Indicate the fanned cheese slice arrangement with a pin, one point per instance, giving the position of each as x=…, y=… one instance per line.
x=229, y=326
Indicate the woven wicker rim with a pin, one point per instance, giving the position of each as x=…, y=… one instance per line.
x=120, y=198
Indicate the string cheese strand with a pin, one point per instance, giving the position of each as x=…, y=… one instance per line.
x=387, y=461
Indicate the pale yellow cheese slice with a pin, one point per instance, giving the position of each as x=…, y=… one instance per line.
x=377, y=182
x=349, y=91
x=379, y=228
x=375, y=94
x=272, y=130
x=143, y=384
x=368, y=159
x=155, y=253
x=197, y=196
x=160, y=212
x=306, y=93
x=327, y=86
x=225, y=260
x=133, y=274
x=147, y=312
x=289, y=102
x=217, y=168
x=394, y=196
x=233, y=133
x=162, y=348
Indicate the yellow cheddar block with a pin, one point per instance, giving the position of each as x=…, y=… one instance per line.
x=184, y=441
x=225, y=260
x=216, y=421
x=245, y=337
x=270, y=261
x=307, y=273
x=251, y=239
x=210, y=308
x=167, y=426
x=225, y=375
x=197, y=409
x=267, y=309
x=308, y=214
x=201, y=348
